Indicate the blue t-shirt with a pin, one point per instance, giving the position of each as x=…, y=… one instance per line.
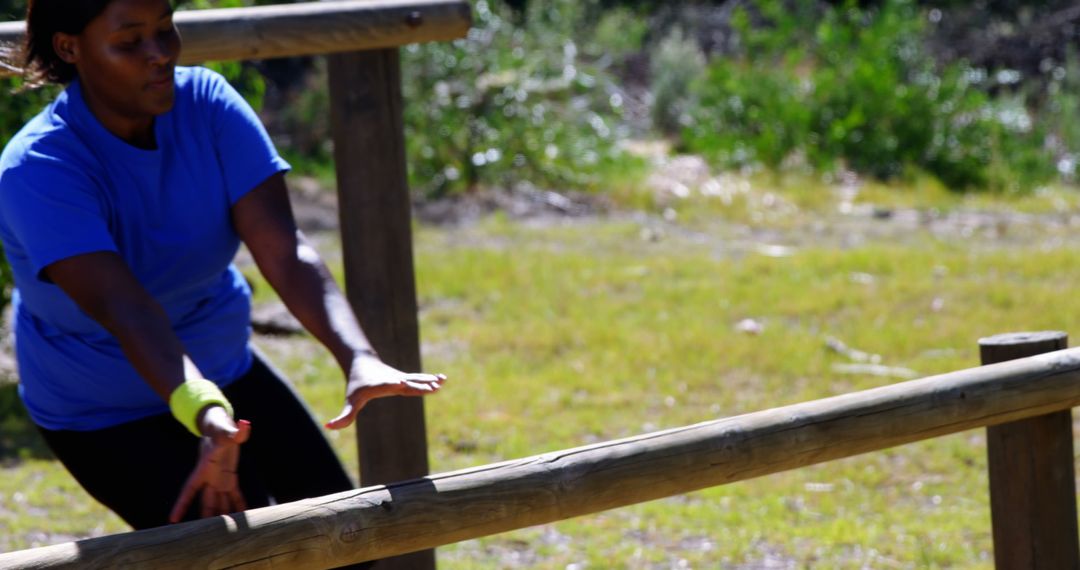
x=68, y=186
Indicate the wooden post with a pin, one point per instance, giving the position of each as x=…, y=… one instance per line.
x=376, y=236
x=1032, y=480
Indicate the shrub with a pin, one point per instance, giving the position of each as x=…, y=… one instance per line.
x=857, y=88
x=619, y=33
x=678, y=61
x=1061, y=116
x=511, y=103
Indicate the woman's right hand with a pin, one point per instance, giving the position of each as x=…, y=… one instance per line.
x=215, y=474
x=370, y=378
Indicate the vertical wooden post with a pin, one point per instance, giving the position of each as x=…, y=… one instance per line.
x=1032, y=480
x=376, y=237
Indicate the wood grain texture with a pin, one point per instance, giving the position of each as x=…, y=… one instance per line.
x=382, y=521
x=375, y=210
x=309, y=28
x=1031, y=472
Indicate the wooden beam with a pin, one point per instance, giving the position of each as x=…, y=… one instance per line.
x=309, y=28
x=376, y=238
x=382, y=521
x=1032, y=477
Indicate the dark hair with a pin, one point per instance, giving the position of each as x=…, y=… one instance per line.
x=44, y=18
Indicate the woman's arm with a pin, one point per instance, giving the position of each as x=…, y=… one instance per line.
x=106, y=290
x=264, y=220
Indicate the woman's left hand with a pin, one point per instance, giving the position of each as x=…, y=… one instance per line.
x=370, y=378
x=214, y=476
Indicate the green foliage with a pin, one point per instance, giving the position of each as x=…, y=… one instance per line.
x=245, y=78
x=511, y=103
x=1061, y=115
x=19, y=437
x=20, y=105
x=620, y=32
x=305, y=118
x=677, y=62
x=856, y=87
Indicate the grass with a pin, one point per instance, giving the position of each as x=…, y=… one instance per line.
x=561, y=333
x=573, y=343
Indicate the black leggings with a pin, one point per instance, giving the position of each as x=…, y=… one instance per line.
x=137, y=469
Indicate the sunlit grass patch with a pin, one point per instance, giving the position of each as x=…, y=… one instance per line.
x=41, y=504
x=562, y=342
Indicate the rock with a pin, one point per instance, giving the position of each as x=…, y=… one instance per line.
x=750, y=326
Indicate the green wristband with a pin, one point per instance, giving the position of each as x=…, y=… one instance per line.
x=192, y=397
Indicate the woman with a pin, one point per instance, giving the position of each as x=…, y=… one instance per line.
x=121, y=207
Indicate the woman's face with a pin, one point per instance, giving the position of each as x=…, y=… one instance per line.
x=125, y=58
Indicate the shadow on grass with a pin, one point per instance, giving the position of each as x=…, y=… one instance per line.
x=19, y=439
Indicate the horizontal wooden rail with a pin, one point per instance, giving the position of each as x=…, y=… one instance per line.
x=382, y=521
x=309, y=28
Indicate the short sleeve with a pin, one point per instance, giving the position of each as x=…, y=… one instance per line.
x=244, y=149
x=51, y=212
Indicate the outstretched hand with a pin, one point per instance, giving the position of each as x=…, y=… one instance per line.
x=215, y=474
x=370, y=378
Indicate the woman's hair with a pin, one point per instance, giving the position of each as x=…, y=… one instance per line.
x=44, y=18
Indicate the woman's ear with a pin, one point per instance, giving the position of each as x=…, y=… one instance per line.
x=66, y=47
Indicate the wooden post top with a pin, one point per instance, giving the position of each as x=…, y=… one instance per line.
x=309, y=28
x=1010, y=346
x=1006, y=339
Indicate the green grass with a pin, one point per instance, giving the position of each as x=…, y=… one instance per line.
x=559, y=334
